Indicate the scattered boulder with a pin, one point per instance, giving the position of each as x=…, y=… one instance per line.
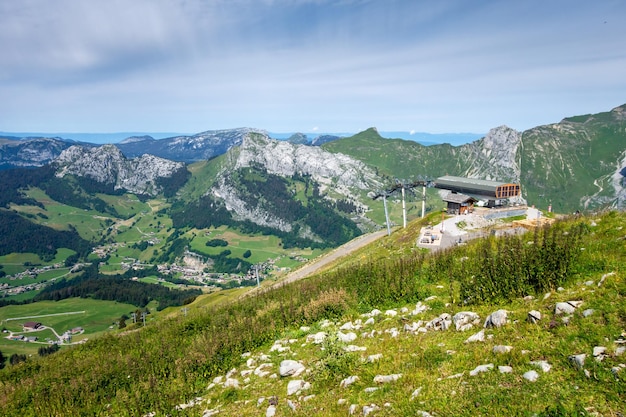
x=416, y=393
x=465, y=320
x=496, y=319
x=543, y=365
x=297, y=385
x=443, y=322
x=271, y=411
x=316, y=338
x=355, y=348
x=347, y=326
x=505, y=369
x=391, y=313
x=478, y=337
x=367, y=409
x=568, y=307
x=346, y=337
x=348, y=381
x=383, y=379
x=533, y=316
x=599, y=353
x=531, y=376
x=420, y=308
x=374, y=358
x=231, y=383
x=578, y=360
x=290, y=367
x=481, y=368
x=588, y=312
x=502, y=349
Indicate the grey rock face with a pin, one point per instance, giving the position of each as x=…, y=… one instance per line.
x=107, y=165
x=496, y=319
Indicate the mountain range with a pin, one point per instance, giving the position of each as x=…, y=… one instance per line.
x=317, y=195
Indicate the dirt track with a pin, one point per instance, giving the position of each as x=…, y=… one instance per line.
x=314, y=266
x=340, y=252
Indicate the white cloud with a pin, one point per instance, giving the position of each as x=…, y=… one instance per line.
x=196, y=65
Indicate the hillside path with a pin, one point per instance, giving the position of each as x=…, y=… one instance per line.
x=316, y=265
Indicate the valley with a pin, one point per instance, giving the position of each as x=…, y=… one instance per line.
x=156, y=262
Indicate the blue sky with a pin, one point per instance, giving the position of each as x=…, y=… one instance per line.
x=307, y=65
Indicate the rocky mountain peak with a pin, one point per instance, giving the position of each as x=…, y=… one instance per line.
x=106, y=164
x=497, y=153
x=286, y=159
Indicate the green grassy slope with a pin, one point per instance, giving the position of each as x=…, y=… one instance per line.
x=173, y=361
x=399, y=158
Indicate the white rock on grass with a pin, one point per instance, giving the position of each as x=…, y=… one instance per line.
x=369, y=390
x=588, y=312
x=348, y=381
x=391, y=313
x=348, y=326
x=260, y=372
x=415, y=393
x=393, y=332
x=465, y=320
x=481, y=368
x=290, y=367
x=505, y=369
x=384, y=379
x=443, y=322
x=271, y=411
x=599, y=352
x=209, y=413
x=419, y=308
x=477, y=337
x=291, y=405
x=231, y=383
x=532, y=376
x=496, y=319
x=605, y=276
x=374, y=358
x=568, y=307
x=533, y=316
x=619, y=351
x=413, y=327
x=368, y=409
x=316, y=338
x=502, y=349
x=296, y=386
x=369, y=321
x=543, y=365
x=578, y=360
x=346, y=337
x=355, y=348
x=352, y=409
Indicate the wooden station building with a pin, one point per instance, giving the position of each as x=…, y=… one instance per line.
x=465, y=192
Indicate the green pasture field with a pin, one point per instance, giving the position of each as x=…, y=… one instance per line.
x=95, y=318
x=89, y=223
x=13, y=263
x=262, y=247
x=155, y=280
x=126, y=206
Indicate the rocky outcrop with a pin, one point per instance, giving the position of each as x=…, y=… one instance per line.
x=198, y=147
x=31, y=152
x=335, y=173
x=107, y=165
x=496, y=156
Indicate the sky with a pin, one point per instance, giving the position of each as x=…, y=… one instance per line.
x=189, y=66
